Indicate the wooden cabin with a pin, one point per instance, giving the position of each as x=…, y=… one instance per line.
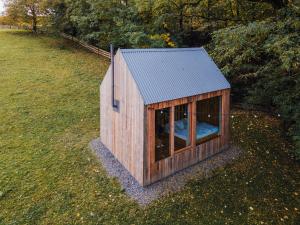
x=163, y=110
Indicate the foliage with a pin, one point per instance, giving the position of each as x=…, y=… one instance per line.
x=104, y=22
x=5, y=20
x=22, y=12
x=134, y=23
x=49, y=113
x=261, y=60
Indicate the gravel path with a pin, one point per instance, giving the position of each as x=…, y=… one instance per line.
x=173, y=183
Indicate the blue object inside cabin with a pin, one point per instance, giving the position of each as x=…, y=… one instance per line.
x=203, y=129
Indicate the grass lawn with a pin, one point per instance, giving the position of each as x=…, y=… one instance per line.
x=49, y=111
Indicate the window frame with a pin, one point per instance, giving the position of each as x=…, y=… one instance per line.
x=192, y=111
x=170, y=127
x=211, y=136
x=171, y=133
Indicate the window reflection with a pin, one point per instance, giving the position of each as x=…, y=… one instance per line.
x=208, y=119
x=162, y=136
x=181, y=127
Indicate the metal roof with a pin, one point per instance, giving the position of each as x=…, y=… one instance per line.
x=167, y=74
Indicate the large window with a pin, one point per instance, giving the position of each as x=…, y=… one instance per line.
x=181, y=127
x=162, y=136
x=207, y=119
x=173, y=126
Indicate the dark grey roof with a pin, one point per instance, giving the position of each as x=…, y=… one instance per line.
x=167, y=74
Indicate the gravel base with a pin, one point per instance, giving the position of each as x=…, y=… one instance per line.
x=173, y=183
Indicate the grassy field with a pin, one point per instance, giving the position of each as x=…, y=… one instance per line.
x=49, y=113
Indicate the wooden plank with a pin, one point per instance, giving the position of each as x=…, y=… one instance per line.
x=193, y=124
x=172, y=131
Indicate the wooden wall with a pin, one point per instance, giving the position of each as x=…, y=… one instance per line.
x=154, y=171
x=123, y=132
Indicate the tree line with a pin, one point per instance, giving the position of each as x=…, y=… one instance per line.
x=255, y=42
x=141, y=23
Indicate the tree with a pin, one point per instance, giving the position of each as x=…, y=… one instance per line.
x=276, y=4
x=133, y=22
x=5, y=20
x=261, y=60
x=26, y=11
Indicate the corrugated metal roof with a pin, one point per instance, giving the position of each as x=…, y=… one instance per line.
x=167, y=74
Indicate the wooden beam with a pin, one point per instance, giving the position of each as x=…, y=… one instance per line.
x=172, y=130
x=193, y=123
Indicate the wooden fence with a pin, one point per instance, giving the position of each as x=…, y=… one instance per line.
x=12, y=27
x=91, y=48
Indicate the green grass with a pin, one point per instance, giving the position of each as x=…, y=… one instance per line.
x=49, y=112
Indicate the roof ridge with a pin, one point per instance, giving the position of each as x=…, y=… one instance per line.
x=140, y=50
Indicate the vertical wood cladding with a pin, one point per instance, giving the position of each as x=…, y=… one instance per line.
x=122, y=132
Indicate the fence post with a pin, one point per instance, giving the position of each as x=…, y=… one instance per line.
x=91, y=48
